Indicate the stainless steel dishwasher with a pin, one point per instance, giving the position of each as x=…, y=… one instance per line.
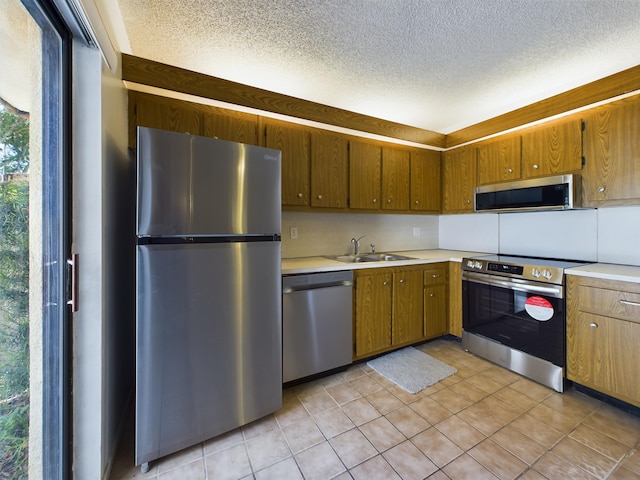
x=316, y=323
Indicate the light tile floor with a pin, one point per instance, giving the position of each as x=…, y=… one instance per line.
x=482, y=422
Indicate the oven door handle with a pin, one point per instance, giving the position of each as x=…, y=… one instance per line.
x=555, y=291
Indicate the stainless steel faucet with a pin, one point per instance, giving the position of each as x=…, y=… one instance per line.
x=356, y=244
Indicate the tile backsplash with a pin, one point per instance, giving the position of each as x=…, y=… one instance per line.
x=607, y=235
x=321, y=233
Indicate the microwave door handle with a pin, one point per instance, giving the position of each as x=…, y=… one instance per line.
x=554, y=291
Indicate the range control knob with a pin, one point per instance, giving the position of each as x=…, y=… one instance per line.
x=470, y=263
x=547, y=274
x=478, y=265
x=535, y=272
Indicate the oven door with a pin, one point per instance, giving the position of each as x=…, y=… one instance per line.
x=521, y=314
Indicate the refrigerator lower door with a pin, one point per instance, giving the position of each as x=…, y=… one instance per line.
x=209, y=342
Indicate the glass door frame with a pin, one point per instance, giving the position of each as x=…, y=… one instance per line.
x=56, y=228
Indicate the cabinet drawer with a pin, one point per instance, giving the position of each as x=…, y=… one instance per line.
x=610, y=303
x=434, y=276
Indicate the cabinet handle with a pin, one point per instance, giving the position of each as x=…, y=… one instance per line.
x=417, y=202
x=601, y=189
x=633, y=304
x=375, y=200
x=435, y=275
x=535, y=166
x=402, y=280
x=389, y=201
x=468, y=201
x=432, y=294
x=593, y=325
x=299, y=195
x=319, y=197
x=509, y=170
x=385, y=283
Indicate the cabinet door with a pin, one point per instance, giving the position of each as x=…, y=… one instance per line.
x=395, y=179
x=435, y=311
x=364, y=175
x=608, y=356
x=454, y=303
x=293, y=142
x=425, y=181
x=373, y=313
x=499, y=161
x=459, y=167
x=163, y=113
x=612, y=154
x=553, y=148
x=233, y=126
x=407, y=307
x=329, y=169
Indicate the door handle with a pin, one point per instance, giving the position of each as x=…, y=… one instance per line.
x=72, y=267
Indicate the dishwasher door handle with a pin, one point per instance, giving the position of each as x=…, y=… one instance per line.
x=316, y=286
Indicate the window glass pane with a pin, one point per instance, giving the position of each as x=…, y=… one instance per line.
x=20, y=227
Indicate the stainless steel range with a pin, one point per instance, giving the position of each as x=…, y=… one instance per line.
x=514, y=314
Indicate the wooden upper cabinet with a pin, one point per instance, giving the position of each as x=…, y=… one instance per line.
x=230, y=125
x=425, y=181
x=395, y=179
x=459, y=183
x=499, y=160
x=294, y=143
x=329, y=169
x=163, y=113
x=552, y=148
x=612, y=154
x=365, y=170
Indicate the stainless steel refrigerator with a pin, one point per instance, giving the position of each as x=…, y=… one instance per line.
x=209, y=299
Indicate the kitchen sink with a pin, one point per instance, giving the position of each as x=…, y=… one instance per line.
x=369, y=257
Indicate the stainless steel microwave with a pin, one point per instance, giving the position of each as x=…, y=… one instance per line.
x=560, y=192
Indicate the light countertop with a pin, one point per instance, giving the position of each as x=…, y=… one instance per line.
x=608, y=271
x=292, y=266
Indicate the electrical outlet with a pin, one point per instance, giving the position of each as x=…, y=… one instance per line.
x=416, y=231
x=294, y=233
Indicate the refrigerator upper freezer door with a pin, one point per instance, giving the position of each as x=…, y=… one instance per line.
x=209, y=340
x=200, y=186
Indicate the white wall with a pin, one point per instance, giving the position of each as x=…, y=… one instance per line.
x=88, y=388
x=103, y=209
x=607, y=235
x=331, y=233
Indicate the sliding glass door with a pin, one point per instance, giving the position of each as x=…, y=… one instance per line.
x=34, y=386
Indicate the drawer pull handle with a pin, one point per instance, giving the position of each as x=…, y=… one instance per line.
x=402, y=280
x=435, y=275
x=633, y=304
x=593, y=325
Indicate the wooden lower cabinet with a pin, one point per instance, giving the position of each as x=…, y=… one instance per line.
x=436, y=301
x=372, y=319
x=394, y=307
x=603, y=335
x=406, y=325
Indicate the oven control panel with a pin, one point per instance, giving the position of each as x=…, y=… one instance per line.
x=546, y=274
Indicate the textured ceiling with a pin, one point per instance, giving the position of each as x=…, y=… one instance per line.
x=435, y=64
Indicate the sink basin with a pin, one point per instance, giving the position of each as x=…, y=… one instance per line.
x=369, y=257
x=385, y=257
x=351, y=258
